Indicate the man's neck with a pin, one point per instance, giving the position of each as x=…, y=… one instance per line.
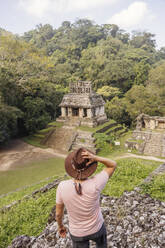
x=79, y=181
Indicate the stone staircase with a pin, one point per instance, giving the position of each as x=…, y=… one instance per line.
x=84, y=139
x=155, y=145
x=61, y=139
x=74, y=122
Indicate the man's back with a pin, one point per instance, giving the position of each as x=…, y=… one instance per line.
x=83, y=210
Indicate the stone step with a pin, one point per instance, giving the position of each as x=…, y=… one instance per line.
x=104, y=129
x=115, y=129
x=84, y=144
x=154, y=145
x=85, y=134
x=62, y=139
x=121, y=132
x=75, y=147
x=85, y=141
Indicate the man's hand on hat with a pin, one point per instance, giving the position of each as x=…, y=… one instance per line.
x=62, y=231
x=90, y=156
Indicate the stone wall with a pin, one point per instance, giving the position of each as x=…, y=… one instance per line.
x=148, y=143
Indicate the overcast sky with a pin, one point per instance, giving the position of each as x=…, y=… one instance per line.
x=19, y=16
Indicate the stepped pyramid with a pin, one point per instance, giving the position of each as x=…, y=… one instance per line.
x=81, y=107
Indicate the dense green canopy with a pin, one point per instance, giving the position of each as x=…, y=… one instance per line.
x=36, y=68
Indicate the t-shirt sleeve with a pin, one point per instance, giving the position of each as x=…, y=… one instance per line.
x=58, y=195
x=101, y=179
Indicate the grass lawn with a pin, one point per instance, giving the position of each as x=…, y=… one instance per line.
x=130, y=172
x=155, y=188
x=37, y=138
x=29, y=217
x=34, y=141
x=30, y=173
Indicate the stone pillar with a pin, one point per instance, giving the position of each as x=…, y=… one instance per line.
x=146, y=124
x=93, y=112
x=102, y=112
x=152, y=124
x=69, y=111
x=81, y=112
x=97, y=111
x=89, y=113
x=63, y=112
x=156, y=124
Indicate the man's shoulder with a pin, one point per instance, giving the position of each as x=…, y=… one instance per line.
x=102, y=173
x=65, y=182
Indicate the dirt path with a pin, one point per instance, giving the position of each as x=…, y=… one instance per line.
x=130, y=155
x=19, y=152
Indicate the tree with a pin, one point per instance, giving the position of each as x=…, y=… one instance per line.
x=108, y=92
x=141, y=72
x=139, y=100
x=40, y=35
x=143, y=40
x=110, y=30
x=161, y=53
x=8, y=122
x=156, y=87
x=35, y=115
x=116, y=110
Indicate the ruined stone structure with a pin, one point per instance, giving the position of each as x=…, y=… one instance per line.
x=150, y=122
x=149, y=136
x=82, y=106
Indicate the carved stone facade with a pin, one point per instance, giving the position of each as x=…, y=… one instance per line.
x=82, y=106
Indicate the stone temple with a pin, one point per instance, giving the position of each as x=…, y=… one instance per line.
x=149, y=136
x=150, y=122
x=82, y=106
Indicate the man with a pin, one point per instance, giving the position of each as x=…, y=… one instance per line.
x=80, y=196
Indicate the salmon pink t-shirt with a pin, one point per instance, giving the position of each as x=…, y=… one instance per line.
x=84, y=211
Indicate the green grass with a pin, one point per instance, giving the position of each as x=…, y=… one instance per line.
x=34, y=141
x=29, y=217
x=39, y=135
x=121, y=132
x=45, y=131
x=94, y=129
x=129, y=173
x=115, y=151
x=112, y=129
x=30, y=173
x=56, y=124
x=27, y=190
x=37, y=138
x=155, y=188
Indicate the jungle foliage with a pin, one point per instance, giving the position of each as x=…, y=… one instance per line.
x=36, y=69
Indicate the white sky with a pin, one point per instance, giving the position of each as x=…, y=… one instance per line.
x=19, y=16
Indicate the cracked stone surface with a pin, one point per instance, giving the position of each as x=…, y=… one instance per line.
x=132, y=221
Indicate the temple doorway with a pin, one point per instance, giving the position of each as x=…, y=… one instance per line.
x=75, y=111
x=85, y=112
